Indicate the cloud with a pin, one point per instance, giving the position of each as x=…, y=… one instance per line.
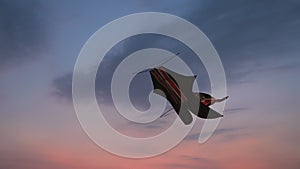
x=248, y=71
x=235, y=110
x=22, y=31
x=176, y=165
x=247, y=37
x=63, y=86
x=194, y=158
x=222, y=131
x=141, y=86
x=244, y=31
x=190, y=161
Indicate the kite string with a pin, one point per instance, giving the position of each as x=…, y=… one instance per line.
x=167, y=60
x=166, y=113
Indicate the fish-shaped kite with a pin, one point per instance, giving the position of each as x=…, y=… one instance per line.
x=177, y=89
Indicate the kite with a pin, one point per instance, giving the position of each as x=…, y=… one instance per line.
x=177, y=89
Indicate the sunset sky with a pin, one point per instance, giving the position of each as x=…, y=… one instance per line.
x=258, y=44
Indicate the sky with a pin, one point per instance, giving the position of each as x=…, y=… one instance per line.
x=258, y=44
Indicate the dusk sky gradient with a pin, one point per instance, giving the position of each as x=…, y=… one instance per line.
x=257, y=41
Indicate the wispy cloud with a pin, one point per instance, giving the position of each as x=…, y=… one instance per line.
x=244, y=31
x=256, y=40
x=233, y=133
x=235, y=110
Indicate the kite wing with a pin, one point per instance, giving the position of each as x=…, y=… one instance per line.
x=203, y=111
x=177, y=89
x=164, y=84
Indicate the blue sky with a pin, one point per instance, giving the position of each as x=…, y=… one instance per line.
x=257, y=42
